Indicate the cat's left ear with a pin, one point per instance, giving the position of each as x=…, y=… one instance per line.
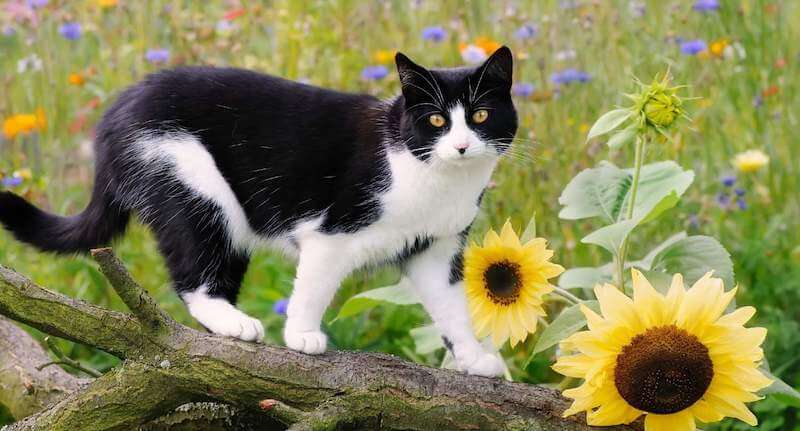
x=414, y=80
x=496, y=70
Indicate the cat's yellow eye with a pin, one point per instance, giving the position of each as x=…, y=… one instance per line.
x=436, y=120
x=480, y=116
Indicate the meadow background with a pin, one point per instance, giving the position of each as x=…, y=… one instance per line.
x=63, y=62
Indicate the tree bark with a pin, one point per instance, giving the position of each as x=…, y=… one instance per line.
x=166, y=365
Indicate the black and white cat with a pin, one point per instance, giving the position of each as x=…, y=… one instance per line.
x=221, y=161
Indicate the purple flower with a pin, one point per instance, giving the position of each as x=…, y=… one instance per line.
x=70, y=30
x=692, y=47
x=723, y=199
x=279, y=307
x=36, y=4
x=728, y=180
x=527, y=31
x=434, y=34
x=694, y=221
x=522, y=89
x=569, y=76
x=740, y=202
x=740, y=191
x=12, y=181
x=758, y=101
x=374, y=73
x=706, y=5
x=9, y=31
x=157, y=56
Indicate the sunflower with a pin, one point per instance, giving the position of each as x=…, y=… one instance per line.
x=505, y=281
x=673, y=358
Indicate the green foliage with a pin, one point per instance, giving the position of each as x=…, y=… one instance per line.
x=569, y=321
x=400, y=294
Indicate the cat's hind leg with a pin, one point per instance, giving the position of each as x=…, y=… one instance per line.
x=206, y=270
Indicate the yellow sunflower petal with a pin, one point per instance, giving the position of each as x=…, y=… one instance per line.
x=681, y=421
x=705, y=412
x=738, y=317
x=491, y=239
x=616, y=306
x=574, y=365
x=508, y=236
x=732, y=408
x=613, y=412
x=649, y=303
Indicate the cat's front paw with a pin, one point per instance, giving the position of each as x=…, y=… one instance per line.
x=485, y=364
x=311, y=342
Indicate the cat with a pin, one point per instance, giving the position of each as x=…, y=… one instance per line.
x=220, y=161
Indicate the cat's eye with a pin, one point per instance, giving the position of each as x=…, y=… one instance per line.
x=436, y=120
x=480, y=116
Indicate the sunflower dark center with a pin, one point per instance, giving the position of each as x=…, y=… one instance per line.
x=663, y=370
x=504, y=281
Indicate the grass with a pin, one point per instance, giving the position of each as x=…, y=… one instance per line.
x=748, y=100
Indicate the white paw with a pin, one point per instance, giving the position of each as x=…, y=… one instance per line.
x=220, y=317
x=297, y=337
x=487, y=365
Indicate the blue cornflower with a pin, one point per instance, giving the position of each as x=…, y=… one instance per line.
x=36, y=4
x=374, y=73
x=70, y=30
x=12, y=181
x=157, y=56
x=522, y=89
x=279, y=307
x=434, y=34
x=740, y=191
x=527, y=31
x=723, y=199
x=758, y=101
x=9, y=31
x=741, y=203
x=706, y=5
x=568, y=76
x=729, y=180
x=693, y=47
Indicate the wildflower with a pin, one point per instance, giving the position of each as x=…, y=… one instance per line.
x=76, y=78
x=157, y=56
x=488, y=46
x=280, y=306
x=234, y=13
x=434, y=34
x=717, y=48
x=723, y=199
x=673, y=358
x=383, y=56
x=36, y=4
x=750, y=161
x=23, y=124
x=106, y=4
x=527, y=31
x=472, y=54
x=741, y=203
x=70, y=30
x=729, y=180
x=32, y=62
x=505, y=281
x=569, y=76
x=693, y=47
x=522, y=89
x=658, y=104
x=224, y=27
x=374, y=73
x=9, y=31
x=740, y=191
x=11, y=181
x=567, y=54
x=706, y=5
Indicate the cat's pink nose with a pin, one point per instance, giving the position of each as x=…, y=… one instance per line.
x=461, y=147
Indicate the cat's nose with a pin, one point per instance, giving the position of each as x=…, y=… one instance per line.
x=461, y=147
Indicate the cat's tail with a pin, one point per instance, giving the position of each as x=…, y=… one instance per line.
x=100, y=222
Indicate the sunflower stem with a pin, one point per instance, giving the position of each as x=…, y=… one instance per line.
x=566, y=295
x=637, y=169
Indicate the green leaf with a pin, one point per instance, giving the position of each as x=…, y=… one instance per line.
x=780, y=390
x=567, y=323
x=400, y=294
x=427, y=339
x=605, y=191
x=622, y=138
x=694, y=256
x=611, y=237
x=530, y=231
x=585, y=277
x=608, y=122
x=647, y=261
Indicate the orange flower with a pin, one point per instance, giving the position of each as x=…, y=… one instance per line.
x=488, y=45
x=717, y=48
x=105, y=4
x=383, y=56
x=23, y=123
x=76, y=79
x=770, y=91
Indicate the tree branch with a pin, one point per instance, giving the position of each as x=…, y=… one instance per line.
x=176, y=364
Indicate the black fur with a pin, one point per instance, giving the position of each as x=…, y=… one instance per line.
x=288, y=151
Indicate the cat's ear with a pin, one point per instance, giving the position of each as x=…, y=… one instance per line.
x=497, y=70
x=415, y=80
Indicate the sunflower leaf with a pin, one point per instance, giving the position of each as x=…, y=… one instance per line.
x=427, y=339
x=530, y=231
x=567, y=323
x=622, y=138
x=611, y=237
x=399, y=294
x=608, y=122
x=694, y=256
x=584, y=277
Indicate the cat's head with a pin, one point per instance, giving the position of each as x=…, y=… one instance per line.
x=458, y=115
